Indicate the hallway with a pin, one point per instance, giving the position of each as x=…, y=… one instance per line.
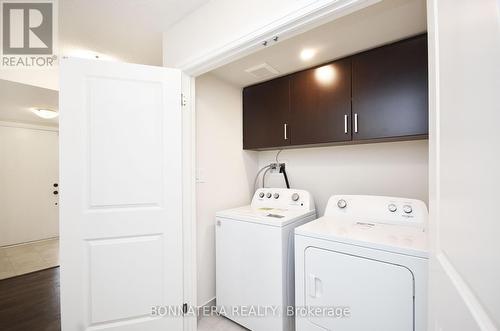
x=25, y=258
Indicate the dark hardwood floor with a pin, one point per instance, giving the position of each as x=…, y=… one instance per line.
x=31, y=302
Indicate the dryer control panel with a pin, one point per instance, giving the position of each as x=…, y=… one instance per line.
x=378, y=209
x=282, y=198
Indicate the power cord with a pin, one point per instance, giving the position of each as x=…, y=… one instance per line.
x=264, y=176
x=283, y=171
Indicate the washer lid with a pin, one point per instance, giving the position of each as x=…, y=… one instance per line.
x=407, y=240
x=269, y=216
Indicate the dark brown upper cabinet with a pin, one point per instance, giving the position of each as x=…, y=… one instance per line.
x=320, y=103
x=377, y=95
x=390, y=91
x=266, y=110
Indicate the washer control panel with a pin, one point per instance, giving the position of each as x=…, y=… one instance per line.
x=378, y=209
x=283, y=198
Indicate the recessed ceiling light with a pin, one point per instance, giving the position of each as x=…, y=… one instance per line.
x=307, y=53
x=45, y=113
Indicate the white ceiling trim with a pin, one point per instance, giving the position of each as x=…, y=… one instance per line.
x=309, y=17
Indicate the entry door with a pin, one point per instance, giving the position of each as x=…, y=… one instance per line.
x=120, y=218
x=28, y=172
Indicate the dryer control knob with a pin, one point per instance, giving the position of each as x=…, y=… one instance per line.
x=392, y=207
x=341, y=203
x=261, y=194
x=276, y=195
x=407, y=209
x=295, y=197
x=269, y=195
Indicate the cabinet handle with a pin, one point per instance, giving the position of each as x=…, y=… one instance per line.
x=355, y=122
x=345, y=123
x=285, y=130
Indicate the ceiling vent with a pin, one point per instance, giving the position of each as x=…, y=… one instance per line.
x=263, y=70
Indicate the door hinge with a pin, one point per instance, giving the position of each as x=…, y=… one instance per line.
x=185, y=308
x=183, y=100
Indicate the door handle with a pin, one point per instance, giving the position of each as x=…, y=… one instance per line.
x=355, y=122
x=285, y=126
x=314, y=286
x=345, y=123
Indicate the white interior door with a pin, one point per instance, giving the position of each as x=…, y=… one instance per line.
x=121, y=216
x=28, y=172
x=464, y=165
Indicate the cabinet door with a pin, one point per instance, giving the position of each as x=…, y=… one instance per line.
x=390, y=91
x=266, y=110
x=321, y=104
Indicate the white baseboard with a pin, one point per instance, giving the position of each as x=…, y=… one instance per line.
x=29, y=242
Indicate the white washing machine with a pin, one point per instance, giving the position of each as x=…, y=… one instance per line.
x=255, y=258
x=364, y=265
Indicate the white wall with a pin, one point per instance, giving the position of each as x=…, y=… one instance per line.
x=225, y=172
x=464, y=40
x=392, y=169
x=28, y=169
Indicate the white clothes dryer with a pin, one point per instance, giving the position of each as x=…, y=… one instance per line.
x=363, y=266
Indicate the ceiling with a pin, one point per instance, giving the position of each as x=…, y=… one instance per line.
x=127, y=30
x=18, y=99
x=387, y=21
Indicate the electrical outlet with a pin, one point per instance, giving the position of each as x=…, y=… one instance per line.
x=275, y=167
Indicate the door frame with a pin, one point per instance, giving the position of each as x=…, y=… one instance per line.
x=188, y=102
x=293, y=24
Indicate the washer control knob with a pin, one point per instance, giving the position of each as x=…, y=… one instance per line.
x=295, y=197
x=276, y=195
x=407, y=209
x=392, y=207
x=261, y=194
x=269, y=195
x=341, y=203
